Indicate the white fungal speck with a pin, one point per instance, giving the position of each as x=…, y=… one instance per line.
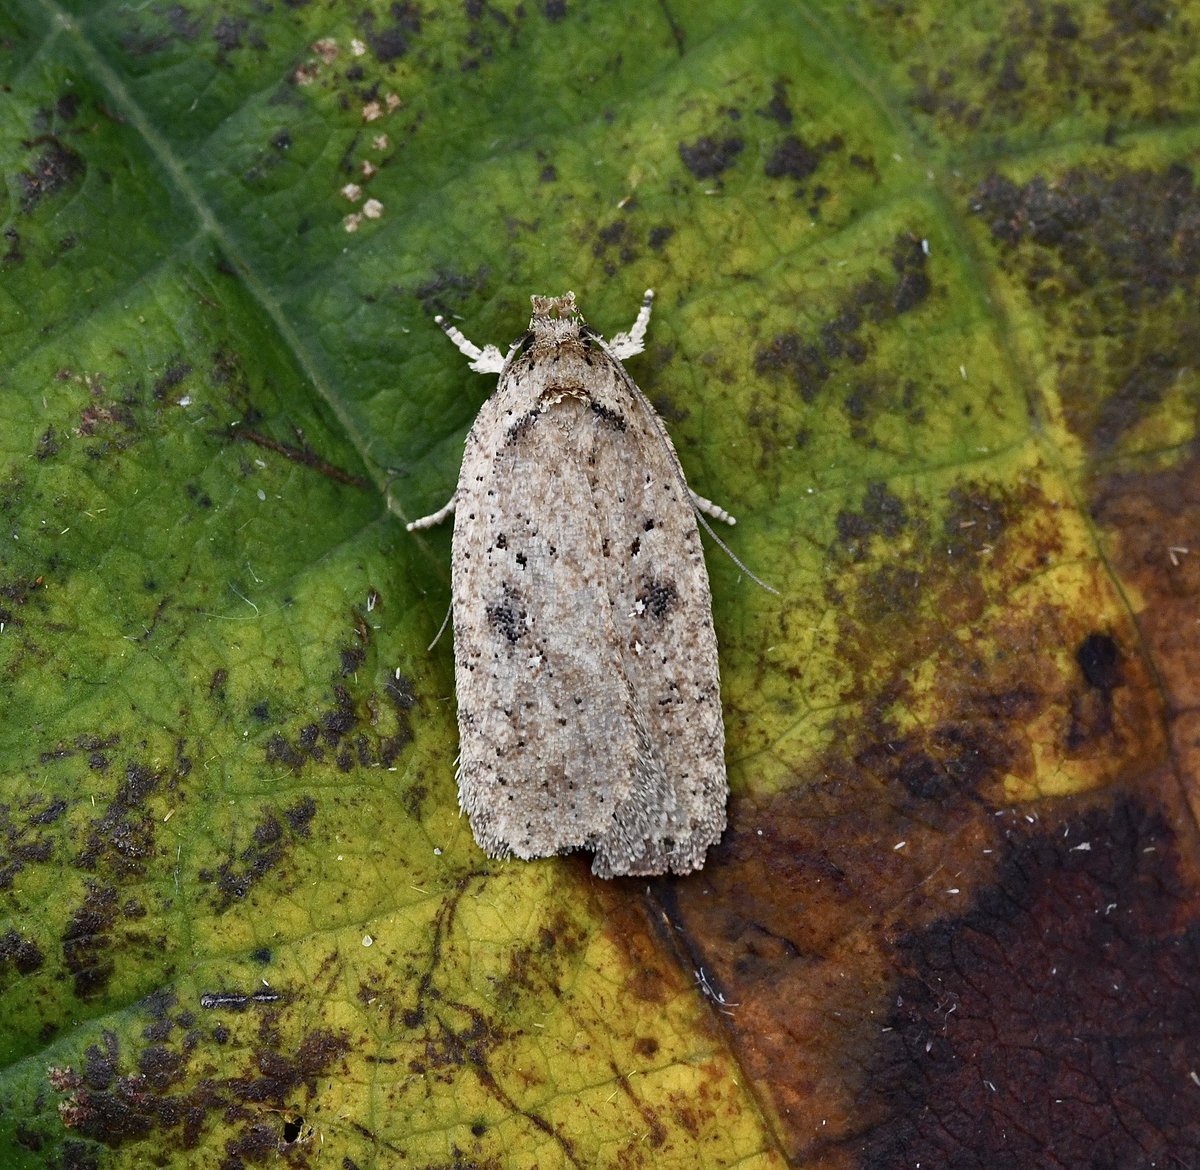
x=326, y=48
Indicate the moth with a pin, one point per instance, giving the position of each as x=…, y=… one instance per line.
x=589, y=705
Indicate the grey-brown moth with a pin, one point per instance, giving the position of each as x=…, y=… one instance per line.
x=589, y=706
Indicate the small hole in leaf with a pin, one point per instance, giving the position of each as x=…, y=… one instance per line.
x=292, y=1128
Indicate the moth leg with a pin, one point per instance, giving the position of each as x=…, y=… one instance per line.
x=703, y=505
x=488, y=360
x=433, y=517
x=627, y=344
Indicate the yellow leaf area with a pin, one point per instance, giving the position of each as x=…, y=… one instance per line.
x=486, y=1023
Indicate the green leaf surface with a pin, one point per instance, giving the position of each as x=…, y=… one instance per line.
x=927, y=280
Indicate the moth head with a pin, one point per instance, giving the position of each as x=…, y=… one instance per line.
x=555, y=320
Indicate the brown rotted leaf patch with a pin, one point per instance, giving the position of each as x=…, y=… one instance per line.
x=905, y=819
x=1053, y=1024
x=1152, y=518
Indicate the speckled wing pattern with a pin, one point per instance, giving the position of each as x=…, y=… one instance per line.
x=585, y=658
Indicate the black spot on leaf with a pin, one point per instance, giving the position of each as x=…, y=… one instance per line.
x=1099, y=658
x=707, y=157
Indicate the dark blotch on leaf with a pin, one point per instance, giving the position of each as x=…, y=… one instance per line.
x=659, y=236
x=50, y=813
x=1113, y=259
x=809, y=363
x=778, y=109
x=56, y=168
x=707, y=157
x=401, y=691
x=882, y=514
x=793, y=158
x=23, y=954
x=228, y=32
x=80, y=1156
x=352, y=658
x=800, y=361
x=391, y=42
x=177, y=369
x=269, y=846
x=446, y=289
x=87, y=938
x=1099, y=658
x=299, y=815
x=47, y=446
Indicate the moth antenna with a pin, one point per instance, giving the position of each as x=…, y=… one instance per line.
x=732, y=555
x=441, y=630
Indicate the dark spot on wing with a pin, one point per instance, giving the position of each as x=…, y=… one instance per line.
x=613, y=418
x=522, y=426
x=658, y=596
x=508, y=615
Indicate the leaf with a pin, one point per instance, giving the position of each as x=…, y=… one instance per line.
x=926, y=284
